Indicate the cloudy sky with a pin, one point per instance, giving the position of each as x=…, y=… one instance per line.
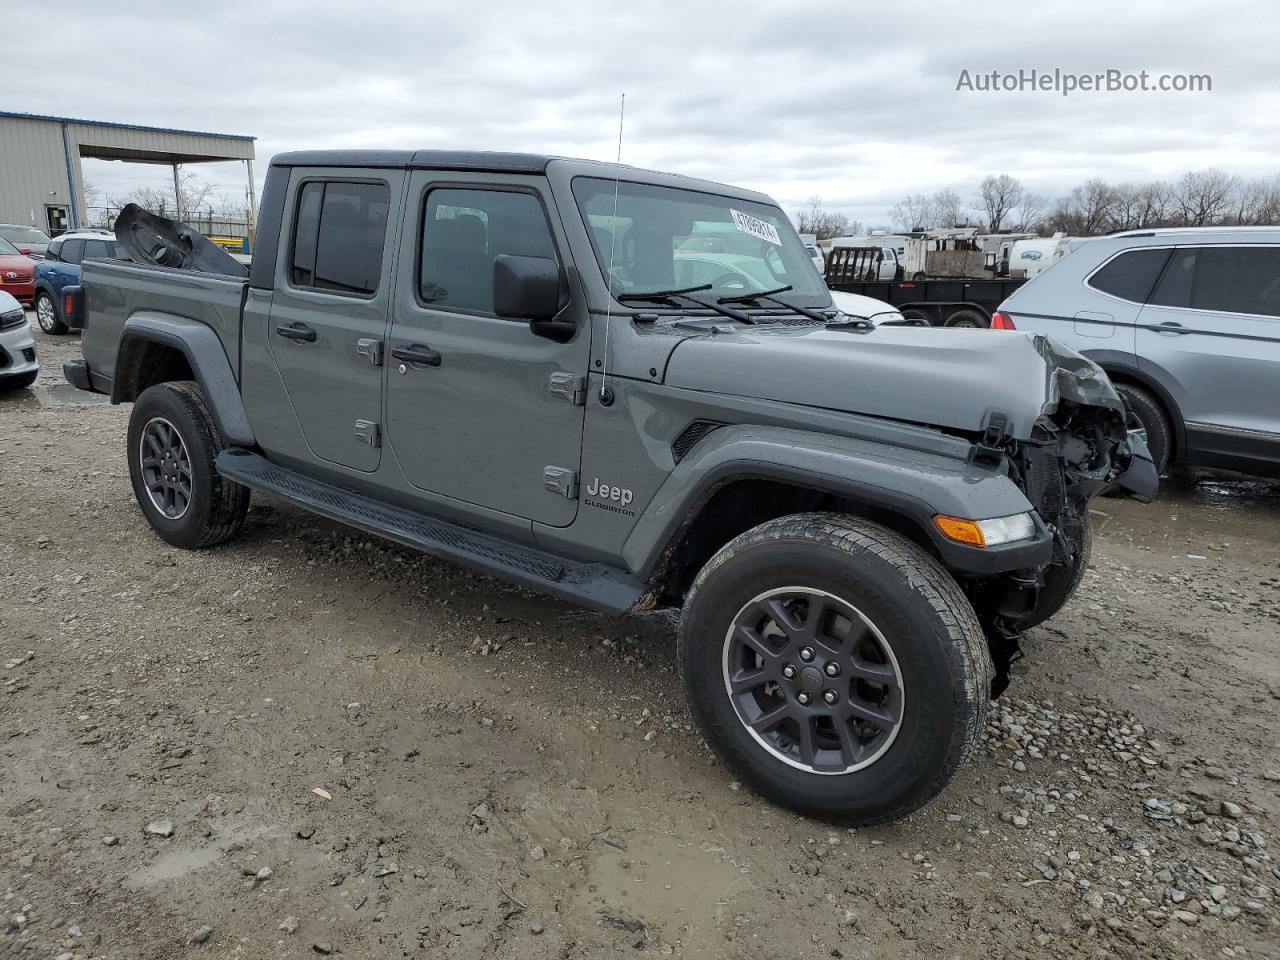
x=853, y=102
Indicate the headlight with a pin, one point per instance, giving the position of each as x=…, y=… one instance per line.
x=12, y=319
x=987, y=533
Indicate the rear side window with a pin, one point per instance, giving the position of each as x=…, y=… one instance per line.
x=338, y=236
x=1238, y=280
x=464, y=231
x=54, y=249
x=103, y=248
x=1174, y=289
x=72, y=251
x=1131, y=275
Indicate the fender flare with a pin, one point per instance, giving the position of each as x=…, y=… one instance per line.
x=912, y=483
x=207, y=359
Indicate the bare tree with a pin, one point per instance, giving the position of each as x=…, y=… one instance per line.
x=1126, y=207
x=1154, y=200
x=998, y=196
x=1204, y=196
x=949, y=208
x=824, y=224
x=1258, y=202
x=1029, y=213
x=914, y=212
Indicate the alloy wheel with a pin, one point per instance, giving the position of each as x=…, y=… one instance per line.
x=166, y=468
x=813, y=680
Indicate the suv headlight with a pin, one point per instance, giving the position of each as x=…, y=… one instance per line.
x=12, y=319
x=987, y=533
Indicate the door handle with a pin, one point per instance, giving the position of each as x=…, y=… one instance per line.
x=1172, y=327
x=417, y=353
x=298, y=331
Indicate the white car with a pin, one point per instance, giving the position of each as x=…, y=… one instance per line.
x=867, y=308
x=18, y=366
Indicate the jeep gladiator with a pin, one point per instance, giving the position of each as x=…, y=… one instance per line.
x=629, y=390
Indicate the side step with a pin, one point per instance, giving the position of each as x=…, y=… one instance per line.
x=593, y=585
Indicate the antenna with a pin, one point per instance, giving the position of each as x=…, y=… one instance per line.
x=606, y=396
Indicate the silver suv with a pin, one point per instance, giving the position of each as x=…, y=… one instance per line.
x=1186, y=322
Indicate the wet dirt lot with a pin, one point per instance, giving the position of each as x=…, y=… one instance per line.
x=311, y=742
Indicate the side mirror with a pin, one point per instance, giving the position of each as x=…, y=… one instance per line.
x=528, y=288
x=25, y=251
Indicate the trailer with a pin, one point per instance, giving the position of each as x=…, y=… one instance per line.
x=940, y=303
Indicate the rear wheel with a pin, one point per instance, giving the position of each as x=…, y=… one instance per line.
x=835, y=667
x=1153, y=421
x=173, y=443
x=968, y=318
x=47, y=314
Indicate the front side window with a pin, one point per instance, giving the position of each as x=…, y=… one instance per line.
x=1131, y=275
x=1238, y=280
x=1174, y=289
x=338, y=236
x=664, y=238
x=464, y=231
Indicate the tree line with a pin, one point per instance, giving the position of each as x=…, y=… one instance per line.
x=1199, y=198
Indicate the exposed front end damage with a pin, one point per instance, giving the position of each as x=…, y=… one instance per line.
x=1079, y=449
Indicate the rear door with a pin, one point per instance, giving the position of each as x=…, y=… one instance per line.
x=329, y=308
x=1211, y=334
x=495, y=414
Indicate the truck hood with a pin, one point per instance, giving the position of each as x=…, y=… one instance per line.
x=943, y=378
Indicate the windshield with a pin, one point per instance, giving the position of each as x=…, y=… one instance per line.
x=7, y=248
x=25, y=235
x=664, y=238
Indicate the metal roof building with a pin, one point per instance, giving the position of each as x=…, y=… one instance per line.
x=41, y=182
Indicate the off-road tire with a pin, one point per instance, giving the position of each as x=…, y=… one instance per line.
x=1060, y=582
x=217, y=506
x=917, y=607
x=1154, y=421
x=51, y=323
x=20, y=382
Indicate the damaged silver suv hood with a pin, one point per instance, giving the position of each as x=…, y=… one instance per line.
x=943, y=378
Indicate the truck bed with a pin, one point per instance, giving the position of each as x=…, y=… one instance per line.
x=116, y=290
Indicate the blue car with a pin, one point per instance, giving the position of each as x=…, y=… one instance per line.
x=61, y=268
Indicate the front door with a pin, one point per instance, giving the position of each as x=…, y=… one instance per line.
x=489, y=415
x=1212, y=329
x=329, y=310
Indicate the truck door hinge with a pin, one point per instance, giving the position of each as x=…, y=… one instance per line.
x=570, y=386
x=561, y=480
x=370, y=349
x=368, y=432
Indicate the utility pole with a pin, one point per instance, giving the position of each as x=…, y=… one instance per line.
x=177, y=194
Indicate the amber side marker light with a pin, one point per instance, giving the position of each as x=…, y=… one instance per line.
x=961, y=531
x=986, y=533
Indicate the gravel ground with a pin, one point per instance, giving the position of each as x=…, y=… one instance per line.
x=311, y=742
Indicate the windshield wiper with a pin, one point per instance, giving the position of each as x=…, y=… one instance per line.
x=768, y=296
x=683, y=294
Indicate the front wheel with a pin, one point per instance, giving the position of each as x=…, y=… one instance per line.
x=47, y=315
x=835, y=667
x=173, y=443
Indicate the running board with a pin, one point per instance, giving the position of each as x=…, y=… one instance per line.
x=593, y=585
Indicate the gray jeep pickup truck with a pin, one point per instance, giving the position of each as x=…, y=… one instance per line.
x=629, y=390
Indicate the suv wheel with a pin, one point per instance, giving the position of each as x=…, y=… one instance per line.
x=47, y=314
x=173, y=442
x=1155, y=424
x=835, y=667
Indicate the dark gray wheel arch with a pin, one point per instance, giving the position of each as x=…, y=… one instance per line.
x=205, y=355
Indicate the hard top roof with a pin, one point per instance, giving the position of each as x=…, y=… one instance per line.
x=483, y=161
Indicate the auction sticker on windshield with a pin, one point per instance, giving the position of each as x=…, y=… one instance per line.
x=756, y=227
